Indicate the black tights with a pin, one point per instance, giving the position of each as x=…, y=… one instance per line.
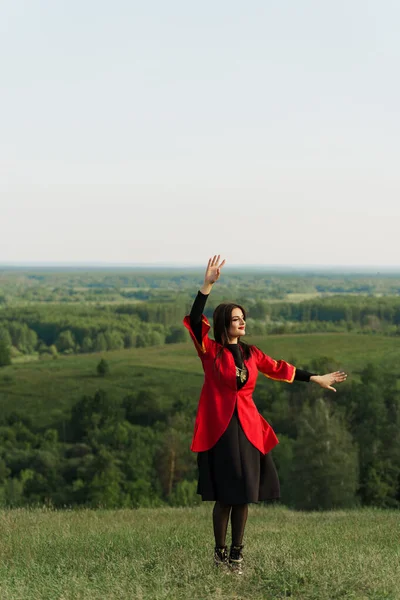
x=221, y=514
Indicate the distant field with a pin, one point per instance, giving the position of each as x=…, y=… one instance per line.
x=287, y=298
x=46, y=389
x=297, y=297
x=79, y=302
x=290, y=297
x=166, y=554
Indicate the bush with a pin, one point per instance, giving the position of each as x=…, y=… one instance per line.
x=5, y=354
x=103, y=368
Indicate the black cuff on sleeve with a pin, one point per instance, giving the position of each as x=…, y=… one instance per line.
x=302, y=375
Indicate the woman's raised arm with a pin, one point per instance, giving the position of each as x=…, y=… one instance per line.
x=212, y=274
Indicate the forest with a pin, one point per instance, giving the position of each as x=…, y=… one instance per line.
x=48, y=313
x=98, y=399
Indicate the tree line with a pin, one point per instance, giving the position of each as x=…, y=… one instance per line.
x=54, y=329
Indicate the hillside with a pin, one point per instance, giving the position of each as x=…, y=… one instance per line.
x=44, y=390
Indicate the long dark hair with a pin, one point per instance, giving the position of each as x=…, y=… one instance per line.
x=222, y=321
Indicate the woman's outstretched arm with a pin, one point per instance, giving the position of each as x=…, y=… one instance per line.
x=280, y=370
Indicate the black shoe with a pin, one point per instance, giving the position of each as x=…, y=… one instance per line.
x=236, y=559
x=221, y=556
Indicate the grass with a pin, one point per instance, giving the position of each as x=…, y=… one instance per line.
x=47, y=389
x=166, y=554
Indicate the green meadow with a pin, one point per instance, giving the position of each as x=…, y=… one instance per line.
x=44, y=390
x=166, y=554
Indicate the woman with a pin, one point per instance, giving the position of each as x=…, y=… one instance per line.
x=232, y=439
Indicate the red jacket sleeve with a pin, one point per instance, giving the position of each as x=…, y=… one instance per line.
x=273, y=369
x=205, y=340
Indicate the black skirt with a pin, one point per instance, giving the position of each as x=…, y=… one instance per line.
x=235, y=472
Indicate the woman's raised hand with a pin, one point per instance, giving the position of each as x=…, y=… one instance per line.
x=213, y=270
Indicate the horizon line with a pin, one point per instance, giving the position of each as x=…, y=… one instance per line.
x=153, y=265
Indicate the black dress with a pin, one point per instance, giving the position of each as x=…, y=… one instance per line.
x=234, y=471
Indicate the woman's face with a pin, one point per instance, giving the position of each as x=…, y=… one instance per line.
x=238, y=324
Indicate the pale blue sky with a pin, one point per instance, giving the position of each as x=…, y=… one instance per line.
x=154, y=132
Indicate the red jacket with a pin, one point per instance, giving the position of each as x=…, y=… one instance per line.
x=219, y=394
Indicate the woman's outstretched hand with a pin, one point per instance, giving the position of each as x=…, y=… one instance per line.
x=213, y=270
x=327, y=381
